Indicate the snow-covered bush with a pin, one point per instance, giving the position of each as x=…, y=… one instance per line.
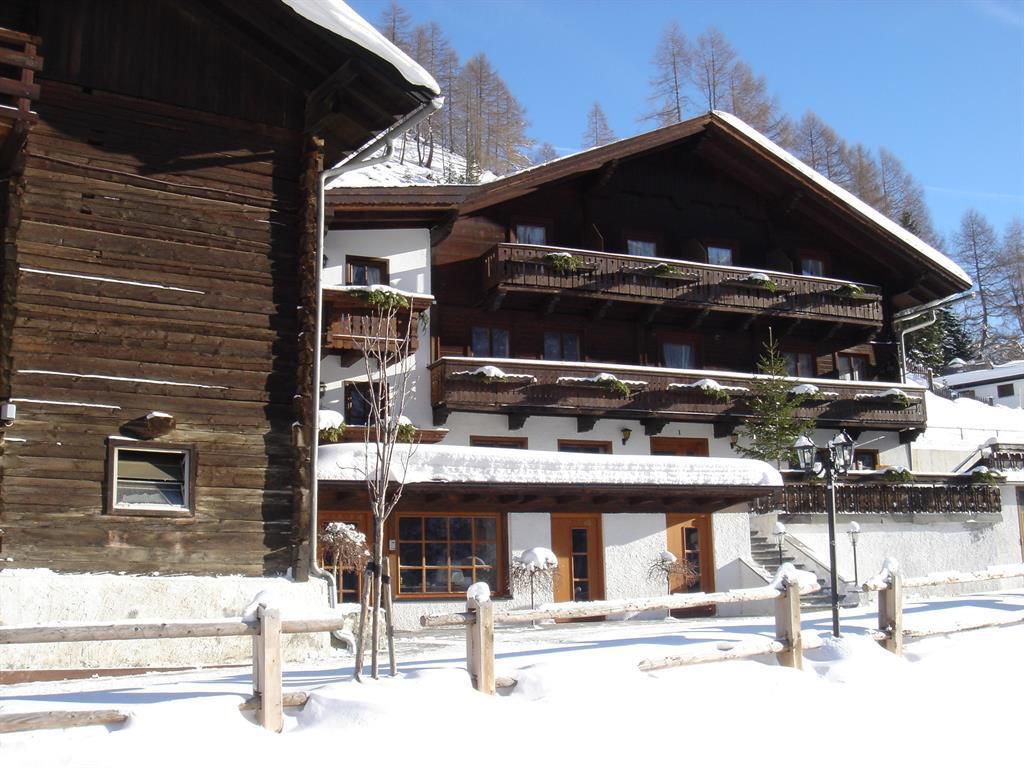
x=344, y=547
x=896, y=474
x=533, y=568
x=406, y=430
x=668, y=568
x=331, y=426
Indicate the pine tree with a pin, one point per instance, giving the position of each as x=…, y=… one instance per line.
x=597, y=133
x=773, y=427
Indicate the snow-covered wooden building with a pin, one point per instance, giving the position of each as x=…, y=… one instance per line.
x=614, y=303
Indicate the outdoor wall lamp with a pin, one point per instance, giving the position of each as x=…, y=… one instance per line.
x=8, y=411
x=626, y=433
x=838, y=459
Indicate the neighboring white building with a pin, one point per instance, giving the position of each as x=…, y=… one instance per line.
x=1001, y=384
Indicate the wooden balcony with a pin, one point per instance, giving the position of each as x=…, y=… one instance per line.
x=352, y=325
x=655, y=395
x=931, y=497
x=510, y=268
x=19, y=64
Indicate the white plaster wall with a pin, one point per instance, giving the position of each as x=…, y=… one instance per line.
x=408, y=255
x=31, y=596
x=730, y=532
x=923, y=547
x=990, y=392
x=632, y=542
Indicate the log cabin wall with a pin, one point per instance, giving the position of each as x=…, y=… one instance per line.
x=683, y=201
x=150, y=264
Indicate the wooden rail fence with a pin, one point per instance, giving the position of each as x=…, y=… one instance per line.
x=268, y=699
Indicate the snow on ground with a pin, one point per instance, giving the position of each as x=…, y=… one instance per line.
x=967, y=424
x=580, y=700
x=408, y=168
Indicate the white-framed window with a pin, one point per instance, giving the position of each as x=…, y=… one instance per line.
x=720, y=255
x=642, y=248
x=147, y=479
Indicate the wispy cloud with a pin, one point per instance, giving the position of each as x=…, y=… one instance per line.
x=975, y=193
x=1009, y=13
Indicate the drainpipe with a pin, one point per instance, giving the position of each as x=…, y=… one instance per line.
x=913, y=313
x=360, y=159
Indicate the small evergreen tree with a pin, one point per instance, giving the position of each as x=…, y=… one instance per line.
x=773, y=426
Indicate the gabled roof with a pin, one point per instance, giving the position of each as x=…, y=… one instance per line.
x=742, y=136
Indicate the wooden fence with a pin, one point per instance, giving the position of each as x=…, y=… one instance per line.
x=480, y=620
x=268, y=699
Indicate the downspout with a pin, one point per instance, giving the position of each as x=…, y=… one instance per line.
x=360, y=159
x=913, y=313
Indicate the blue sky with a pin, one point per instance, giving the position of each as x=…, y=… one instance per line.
x=938, y=82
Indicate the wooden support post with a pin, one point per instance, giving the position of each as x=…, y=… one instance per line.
x=267, y=669
x=787, y=627
x=480, y=645
x=890, y=614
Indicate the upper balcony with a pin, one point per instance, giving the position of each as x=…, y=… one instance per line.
x=352, y=325
x=543, y=269
x=19, y=64
x=656, y=396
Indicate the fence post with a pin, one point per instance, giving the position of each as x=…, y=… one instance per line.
x=266, y=678
x=480, y=645
x=890, y=614
x=787, y=627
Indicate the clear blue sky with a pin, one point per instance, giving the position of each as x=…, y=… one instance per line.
x=938, y=82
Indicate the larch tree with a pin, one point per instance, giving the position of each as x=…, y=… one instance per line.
x=544, y=153
x=817, y=144
x=1009, y=292
x=711, y=66
x=667, y=98
x=864, y=175
x=749, y=100
x=597, y=132
x=395, y=24
x=977, y=250
x=432, y=50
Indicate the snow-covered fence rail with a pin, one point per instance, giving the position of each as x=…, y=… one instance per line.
x=265, y=627
x=480, y=620
x=890, y=583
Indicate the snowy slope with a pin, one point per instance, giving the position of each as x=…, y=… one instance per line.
x=405, y=169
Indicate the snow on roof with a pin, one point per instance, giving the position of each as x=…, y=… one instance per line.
x=336, y=17
x=967, y=424
x=463, y=464
x=405, y=170
x=1012, y=369
x=939, y=259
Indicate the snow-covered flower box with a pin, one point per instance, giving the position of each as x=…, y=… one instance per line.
x=564, y=263
x=757, y=281
x=811, y=394
x=854, y=292
x=663, y=271
x=492, y=374
x=982, y=475
x=890, y=397
x=606, y=381
x=895, y=474
x=709, y=389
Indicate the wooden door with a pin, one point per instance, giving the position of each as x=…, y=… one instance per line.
x=576, y=541
x=679, y=446
x=689, y=539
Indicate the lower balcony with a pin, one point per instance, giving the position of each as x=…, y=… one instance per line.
x=656, y=396
x=353, y=325
x=933, y=497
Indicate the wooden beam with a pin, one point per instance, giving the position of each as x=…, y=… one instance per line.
x=585, y=423
x=724, y=428
x=601, y=311
x=440, y=415
x=496, y=300
x=517, y=420
x=908, y=436
x=699, y=319
x=551, y=303
x=650, y=314
x=653, y=427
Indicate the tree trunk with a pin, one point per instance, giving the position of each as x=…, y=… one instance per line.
x=378, y=556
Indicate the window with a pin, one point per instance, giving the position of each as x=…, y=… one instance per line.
x=865, y=459
x=852, y=367
x=150, y=481
x=487, y=441
x=559, y=345
x=363, y=271
x=1004, y=390
x=531, y=234
x=799, y=364
x=968, y=393
x=720, y=255
x=642, y=248
x=584, y=446
x=812, y=266
x=357, y=404
x=444, y=554
x=678, y=355
x=490, y=342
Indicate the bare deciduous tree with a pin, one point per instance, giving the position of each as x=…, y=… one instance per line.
x=712, y=63
x=978, y=252
x=597, y=132
x=671, y=74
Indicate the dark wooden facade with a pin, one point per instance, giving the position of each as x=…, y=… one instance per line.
x=158, y=256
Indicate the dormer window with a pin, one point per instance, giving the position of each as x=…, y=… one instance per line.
x=720, y=255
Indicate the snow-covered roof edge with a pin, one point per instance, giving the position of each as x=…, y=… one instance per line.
x=934, y=255
x=336, y=17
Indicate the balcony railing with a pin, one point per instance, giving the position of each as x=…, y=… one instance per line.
x=19, y=64
x=352, y=325
x=874, y=498
x=606, y=276
x=538, y=387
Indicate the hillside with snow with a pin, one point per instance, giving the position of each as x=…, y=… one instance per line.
x=412, y=166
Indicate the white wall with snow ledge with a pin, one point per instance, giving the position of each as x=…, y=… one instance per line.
x=39, y=596
x=632, y=542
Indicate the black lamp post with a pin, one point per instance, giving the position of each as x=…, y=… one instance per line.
x=837, y=461
x=853, y=531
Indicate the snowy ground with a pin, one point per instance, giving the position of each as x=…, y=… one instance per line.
x=581, y=701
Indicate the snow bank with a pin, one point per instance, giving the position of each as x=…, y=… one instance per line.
x=327, y=419
x=968, y=424
x=480, y=592
x=462, y=464
x=790, y=574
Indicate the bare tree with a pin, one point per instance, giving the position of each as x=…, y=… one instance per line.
x=389, y=367
x=597, y=133
x=545, y=153
x=749, y=100
x=712, y=64
x=394, y=25
x=1009, y=290
x=977, y=251
x=814, y=142
x=672, y=72
x=864, y=180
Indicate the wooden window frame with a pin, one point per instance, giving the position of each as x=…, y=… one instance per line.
x=808, y=253
x=865, y=357
x=586, y=443
x=561, y=345
x=1000, y=387
x=498, y=441
x=515, y=221
x=732, y=245
x=110, y=496
x=644, y=237
x=796, y=349
x=347, y=388
x=367, y=261
x=661, y=339
x=500, y=566
x=862, y=451
x=490, y=328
